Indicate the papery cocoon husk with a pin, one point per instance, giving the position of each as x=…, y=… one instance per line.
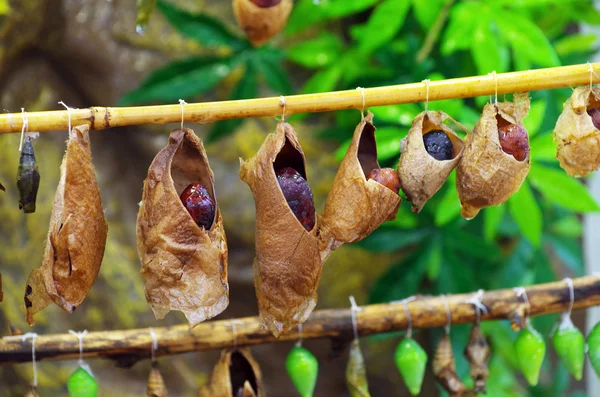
x=421, y=175
x=184, y=266
x=577, y=138
x=287, y=267
x=486, y=175
x=32, y=392
x=355, y=206
x=356, y=373
x=76, y=236
x=236, y=374
x=477, y=353
x=444, y=368
x=156, y=384
x=261, y=23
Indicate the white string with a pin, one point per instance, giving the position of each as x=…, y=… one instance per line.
x=154, y=346
x=448, y=315
x=25, y=127
x=405, y=303
x=475, y=300
x=571, y=294
x=33, y=337
x=299, y=343
x=182, y=103
x=282, y=104
x=354, y=309
x=521, y=292
x=68, y=113
x=234, y=331
x=426, y=81
x=79, y=336
x=362, y=93
x=494, y=75
x=592, y=73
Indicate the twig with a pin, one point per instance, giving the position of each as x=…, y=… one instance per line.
x=434, y=33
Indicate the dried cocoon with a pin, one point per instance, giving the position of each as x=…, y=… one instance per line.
x=444, y=368
x=355, y=206
x=477, y=353
x=156, y=384
x=261, y=23
x=76, y=236
x=421, y=175
x=486, y=175
x=32, y=392
x=287, y=267
x=356, y=373
x=236, y=374
x=577, y=138
x=184, y=266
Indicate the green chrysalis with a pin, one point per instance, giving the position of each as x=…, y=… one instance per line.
x=411, y=361
x=303, y=369
x=530, y=349
x=593, y=342
x=82, y=383
x=356, y=374
x=569, y=344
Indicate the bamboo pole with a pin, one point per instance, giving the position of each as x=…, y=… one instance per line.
x=99, y=118
x=129, y=346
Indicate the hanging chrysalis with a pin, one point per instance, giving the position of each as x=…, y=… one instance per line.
x=32, y=392
x=577, y=132
x=530, y=349
x=411, y=361
x=76, y=237
x=431, y=151
x=236, y=374
x=180, y=236
x=2, y=188
x=82, y=382
x=303, y=368
x=28, y=178
x=262, y=19
x=1, y=293
x=477, y=353
x=144, y=12
x=288, y=263
x=156, y=384
x=496, y=158
x=363, y=195
x=356, y=374
x=593, y=343
x=569, y=344
x=444, y=368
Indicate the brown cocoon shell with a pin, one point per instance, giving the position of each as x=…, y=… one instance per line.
x=184, y=266
x=421, y=175
x=444, y=368
x=261, y=23
x=287, y=267
x=355, y=206
x=236, y=374
x=477, y=353
x=577, y=138
x=156, y=384
x=76, y=236
x=486, y=175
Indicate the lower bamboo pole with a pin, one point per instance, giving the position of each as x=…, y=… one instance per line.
x=99, y=118
x=129, y=346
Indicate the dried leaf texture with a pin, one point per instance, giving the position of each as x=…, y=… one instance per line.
x=486, y=175
x=444, y=368
x=577, y=138
x=287, y=267
x=236, y=374
x=184, y=266
x=77, y=233
x=156, y=384
x=261, y=23
x=478, y=355
x=355, y=206
x=421, y=175
x=356, y=373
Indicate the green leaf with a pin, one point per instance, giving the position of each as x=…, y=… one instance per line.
x=471, y=244
x=568, y=250
x=388, y=142
x=492, y=217
x=434, y=258
x=396, y=114
x=516, y=268
x=526, y=212
x=246, y=87
x=200, y=27
x=324, y=80
x=268, y=62
x=535, y=117
x=318, y=52
x=4, y=7
x=449, y=206
x=567, y=226
x=390, y=239
x=459, y=33
x=489, y=53
x=144, y=12
x=307, y=13
x=384, y=23
x=181, y=80
x=576, y=44
x=426, y=12
x=561, y=189
x=543, y=148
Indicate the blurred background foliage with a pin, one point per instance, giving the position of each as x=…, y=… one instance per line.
x=327, y=45
x=331, y=45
